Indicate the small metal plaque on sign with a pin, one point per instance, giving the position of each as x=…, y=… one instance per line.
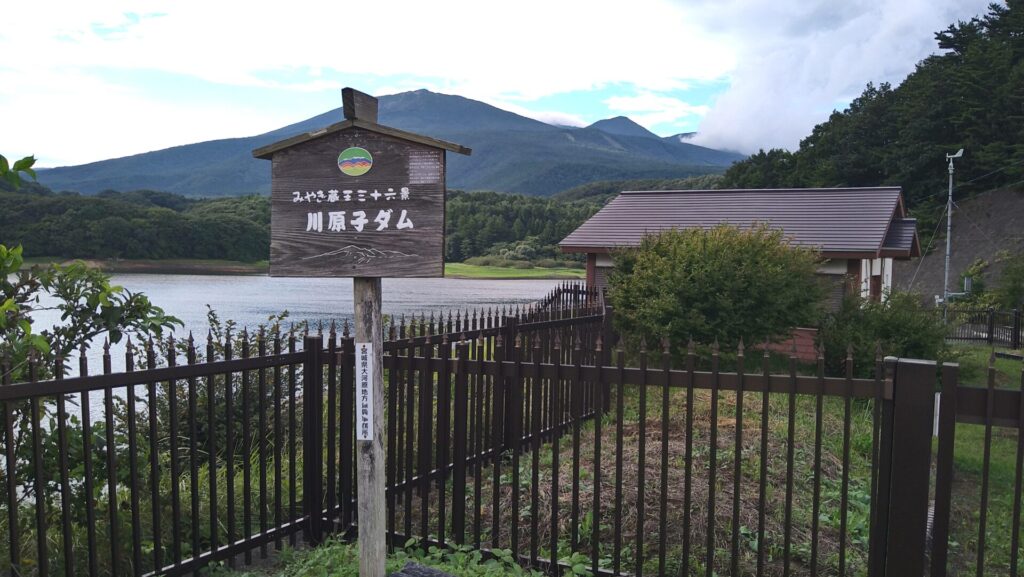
x=364, y=391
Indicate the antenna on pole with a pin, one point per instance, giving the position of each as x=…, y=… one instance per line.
x=949, y=231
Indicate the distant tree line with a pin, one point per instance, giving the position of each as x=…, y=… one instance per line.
x=134, y=225
x=513, y=226
x=971, y=96
x=158, y=225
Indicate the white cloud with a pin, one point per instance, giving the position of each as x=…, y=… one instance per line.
x=799, y=58
x=649, y=109
x=509, y=52
x=69, y=91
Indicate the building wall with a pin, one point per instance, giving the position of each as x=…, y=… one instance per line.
x=876, y=277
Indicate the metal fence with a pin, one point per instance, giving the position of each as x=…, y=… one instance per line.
x=978, y=505
x=528, y=429
x=990, y=326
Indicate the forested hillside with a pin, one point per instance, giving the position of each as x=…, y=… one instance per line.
x=510, y=225
x=603, y=190
x=970, y=96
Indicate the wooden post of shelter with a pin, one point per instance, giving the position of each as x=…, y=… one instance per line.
x=361, y=200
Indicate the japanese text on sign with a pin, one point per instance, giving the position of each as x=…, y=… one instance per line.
x=364, y=391
x=355, y=220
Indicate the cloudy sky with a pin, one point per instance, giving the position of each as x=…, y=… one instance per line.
x=85, y=81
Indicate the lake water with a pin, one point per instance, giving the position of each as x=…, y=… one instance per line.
x=250, y=300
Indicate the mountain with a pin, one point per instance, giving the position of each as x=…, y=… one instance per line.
x=622, y=126
x=511, y=153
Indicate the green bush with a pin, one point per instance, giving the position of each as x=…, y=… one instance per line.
x=900, y=324
x=1010, y=292
x=724, y=283
x=483, y=261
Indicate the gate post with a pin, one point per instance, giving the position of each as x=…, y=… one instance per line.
x=903, y=490
x=312, y=437
x=1015, y=338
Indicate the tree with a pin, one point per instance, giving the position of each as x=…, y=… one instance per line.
x=90, y=306
x=724, y=283
x=899, y=325
x=1010, y=291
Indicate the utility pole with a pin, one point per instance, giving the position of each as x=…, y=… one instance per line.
x=949, y=231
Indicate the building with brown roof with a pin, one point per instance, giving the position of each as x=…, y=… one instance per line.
x=858, y=231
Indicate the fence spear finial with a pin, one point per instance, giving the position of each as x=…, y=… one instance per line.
x=665, y=345
x=691, y=347
x=598, y=343
x=345, y=329
x=643, y=345
x=766, y=353
x=714, y=347
x=878, y=351
x=739, y=348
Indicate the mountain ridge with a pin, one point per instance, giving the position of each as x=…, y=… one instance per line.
x=511, y=153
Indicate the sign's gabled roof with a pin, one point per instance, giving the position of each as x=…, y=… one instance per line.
x=839, y=222
x=268, y=151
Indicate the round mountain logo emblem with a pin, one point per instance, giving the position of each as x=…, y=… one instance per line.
x=355, y=161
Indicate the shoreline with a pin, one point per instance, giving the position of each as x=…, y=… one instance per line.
x=234, y=268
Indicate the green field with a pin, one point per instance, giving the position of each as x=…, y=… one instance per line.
x=462, y=270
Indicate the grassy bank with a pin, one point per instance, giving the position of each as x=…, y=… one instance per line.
x=462, y=270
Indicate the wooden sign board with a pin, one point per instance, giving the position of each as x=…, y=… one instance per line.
x=357, y=203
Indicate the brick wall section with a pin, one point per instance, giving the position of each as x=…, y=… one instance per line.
x=805, y=349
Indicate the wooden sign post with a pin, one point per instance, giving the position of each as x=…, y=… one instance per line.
x=362, y=200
